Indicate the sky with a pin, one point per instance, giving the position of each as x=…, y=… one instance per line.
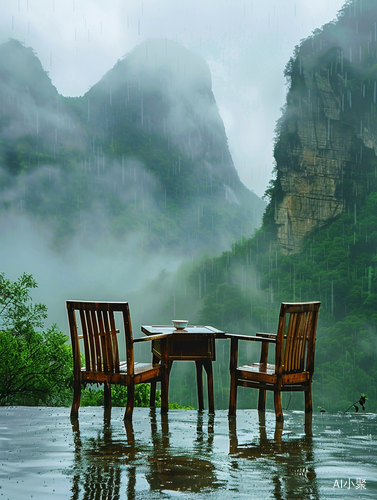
x=246, y=45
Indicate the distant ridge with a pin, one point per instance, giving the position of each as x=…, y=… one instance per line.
x=143, y=151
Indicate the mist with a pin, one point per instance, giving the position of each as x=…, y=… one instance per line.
x=245, y=44
x=245, y=48
x=110, y=272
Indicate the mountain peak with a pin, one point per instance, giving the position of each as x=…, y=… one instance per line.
x=145, y=148
x=168, y=89
x=21, y=69
x=161, y=63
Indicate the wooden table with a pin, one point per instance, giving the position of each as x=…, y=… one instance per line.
x=194, y=343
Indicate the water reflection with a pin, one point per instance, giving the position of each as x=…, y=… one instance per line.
x=179, y=472
x=204, y=443
x=106, y=459
x=99, y=461
x=164, y=458
x=290, y=461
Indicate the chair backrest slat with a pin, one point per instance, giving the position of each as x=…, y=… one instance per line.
x=100, y=334
x=287, y=359
x=115, y=350
x=300, y=337
x=129, y=341
x=91, y=340
x=102, y=337
x=108, y=340
x=296, y=352
x=88, y=344
x=97, y=362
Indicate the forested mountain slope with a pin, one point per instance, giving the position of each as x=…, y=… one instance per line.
x=143, y=153
x=318, y=240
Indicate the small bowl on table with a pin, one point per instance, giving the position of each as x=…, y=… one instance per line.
x=180, y=324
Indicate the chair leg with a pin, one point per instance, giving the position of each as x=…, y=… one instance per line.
x=165, y=431
x=262, y=400
x=130, y=438
x=233, y=377
x=130, y=403
x=308, y=400
x=278, y=407
x=278, y=431
x=233, y=441
x=76, y=399
x=308, y=424
x=152, y=401
x=262, y=428
x=107, y=417
x=107, y=395
x=232, y=394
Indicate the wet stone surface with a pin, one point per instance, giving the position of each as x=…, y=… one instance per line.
x=186, y=455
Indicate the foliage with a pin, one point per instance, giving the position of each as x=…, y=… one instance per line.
x=360, y=402
x=337, y=265
x=35, y=365
x=93, y=397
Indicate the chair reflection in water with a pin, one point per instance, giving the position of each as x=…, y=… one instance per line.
x=294, y=358
x=294, y=477
x=102, y=361
x=107, y=462
x=99, y=461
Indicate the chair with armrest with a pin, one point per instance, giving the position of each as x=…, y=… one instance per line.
x=294, y=358
x=97, y=321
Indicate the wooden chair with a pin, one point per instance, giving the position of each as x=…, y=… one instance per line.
x=102, y=365
x=294, y=358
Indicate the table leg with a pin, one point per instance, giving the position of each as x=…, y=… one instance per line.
x=199, y=381
x=152, y=402
x=208, y=368
x=165, y=389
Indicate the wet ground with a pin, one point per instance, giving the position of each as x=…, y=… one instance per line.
x=186, y=455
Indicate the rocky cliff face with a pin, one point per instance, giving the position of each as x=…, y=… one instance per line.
x=327, y=137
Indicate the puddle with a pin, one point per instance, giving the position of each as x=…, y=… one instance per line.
x=186, y=455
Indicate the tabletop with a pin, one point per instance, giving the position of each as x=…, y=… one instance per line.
x=193, y=343
x=190, y=329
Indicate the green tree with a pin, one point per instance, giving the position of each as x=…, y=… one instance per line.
x=35, y=365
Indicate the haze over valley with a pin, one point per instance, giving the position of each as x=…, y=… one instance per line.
x=132, y=190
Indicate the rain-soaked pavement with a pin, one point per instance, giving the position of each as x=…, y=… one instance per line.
x=185, y=455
